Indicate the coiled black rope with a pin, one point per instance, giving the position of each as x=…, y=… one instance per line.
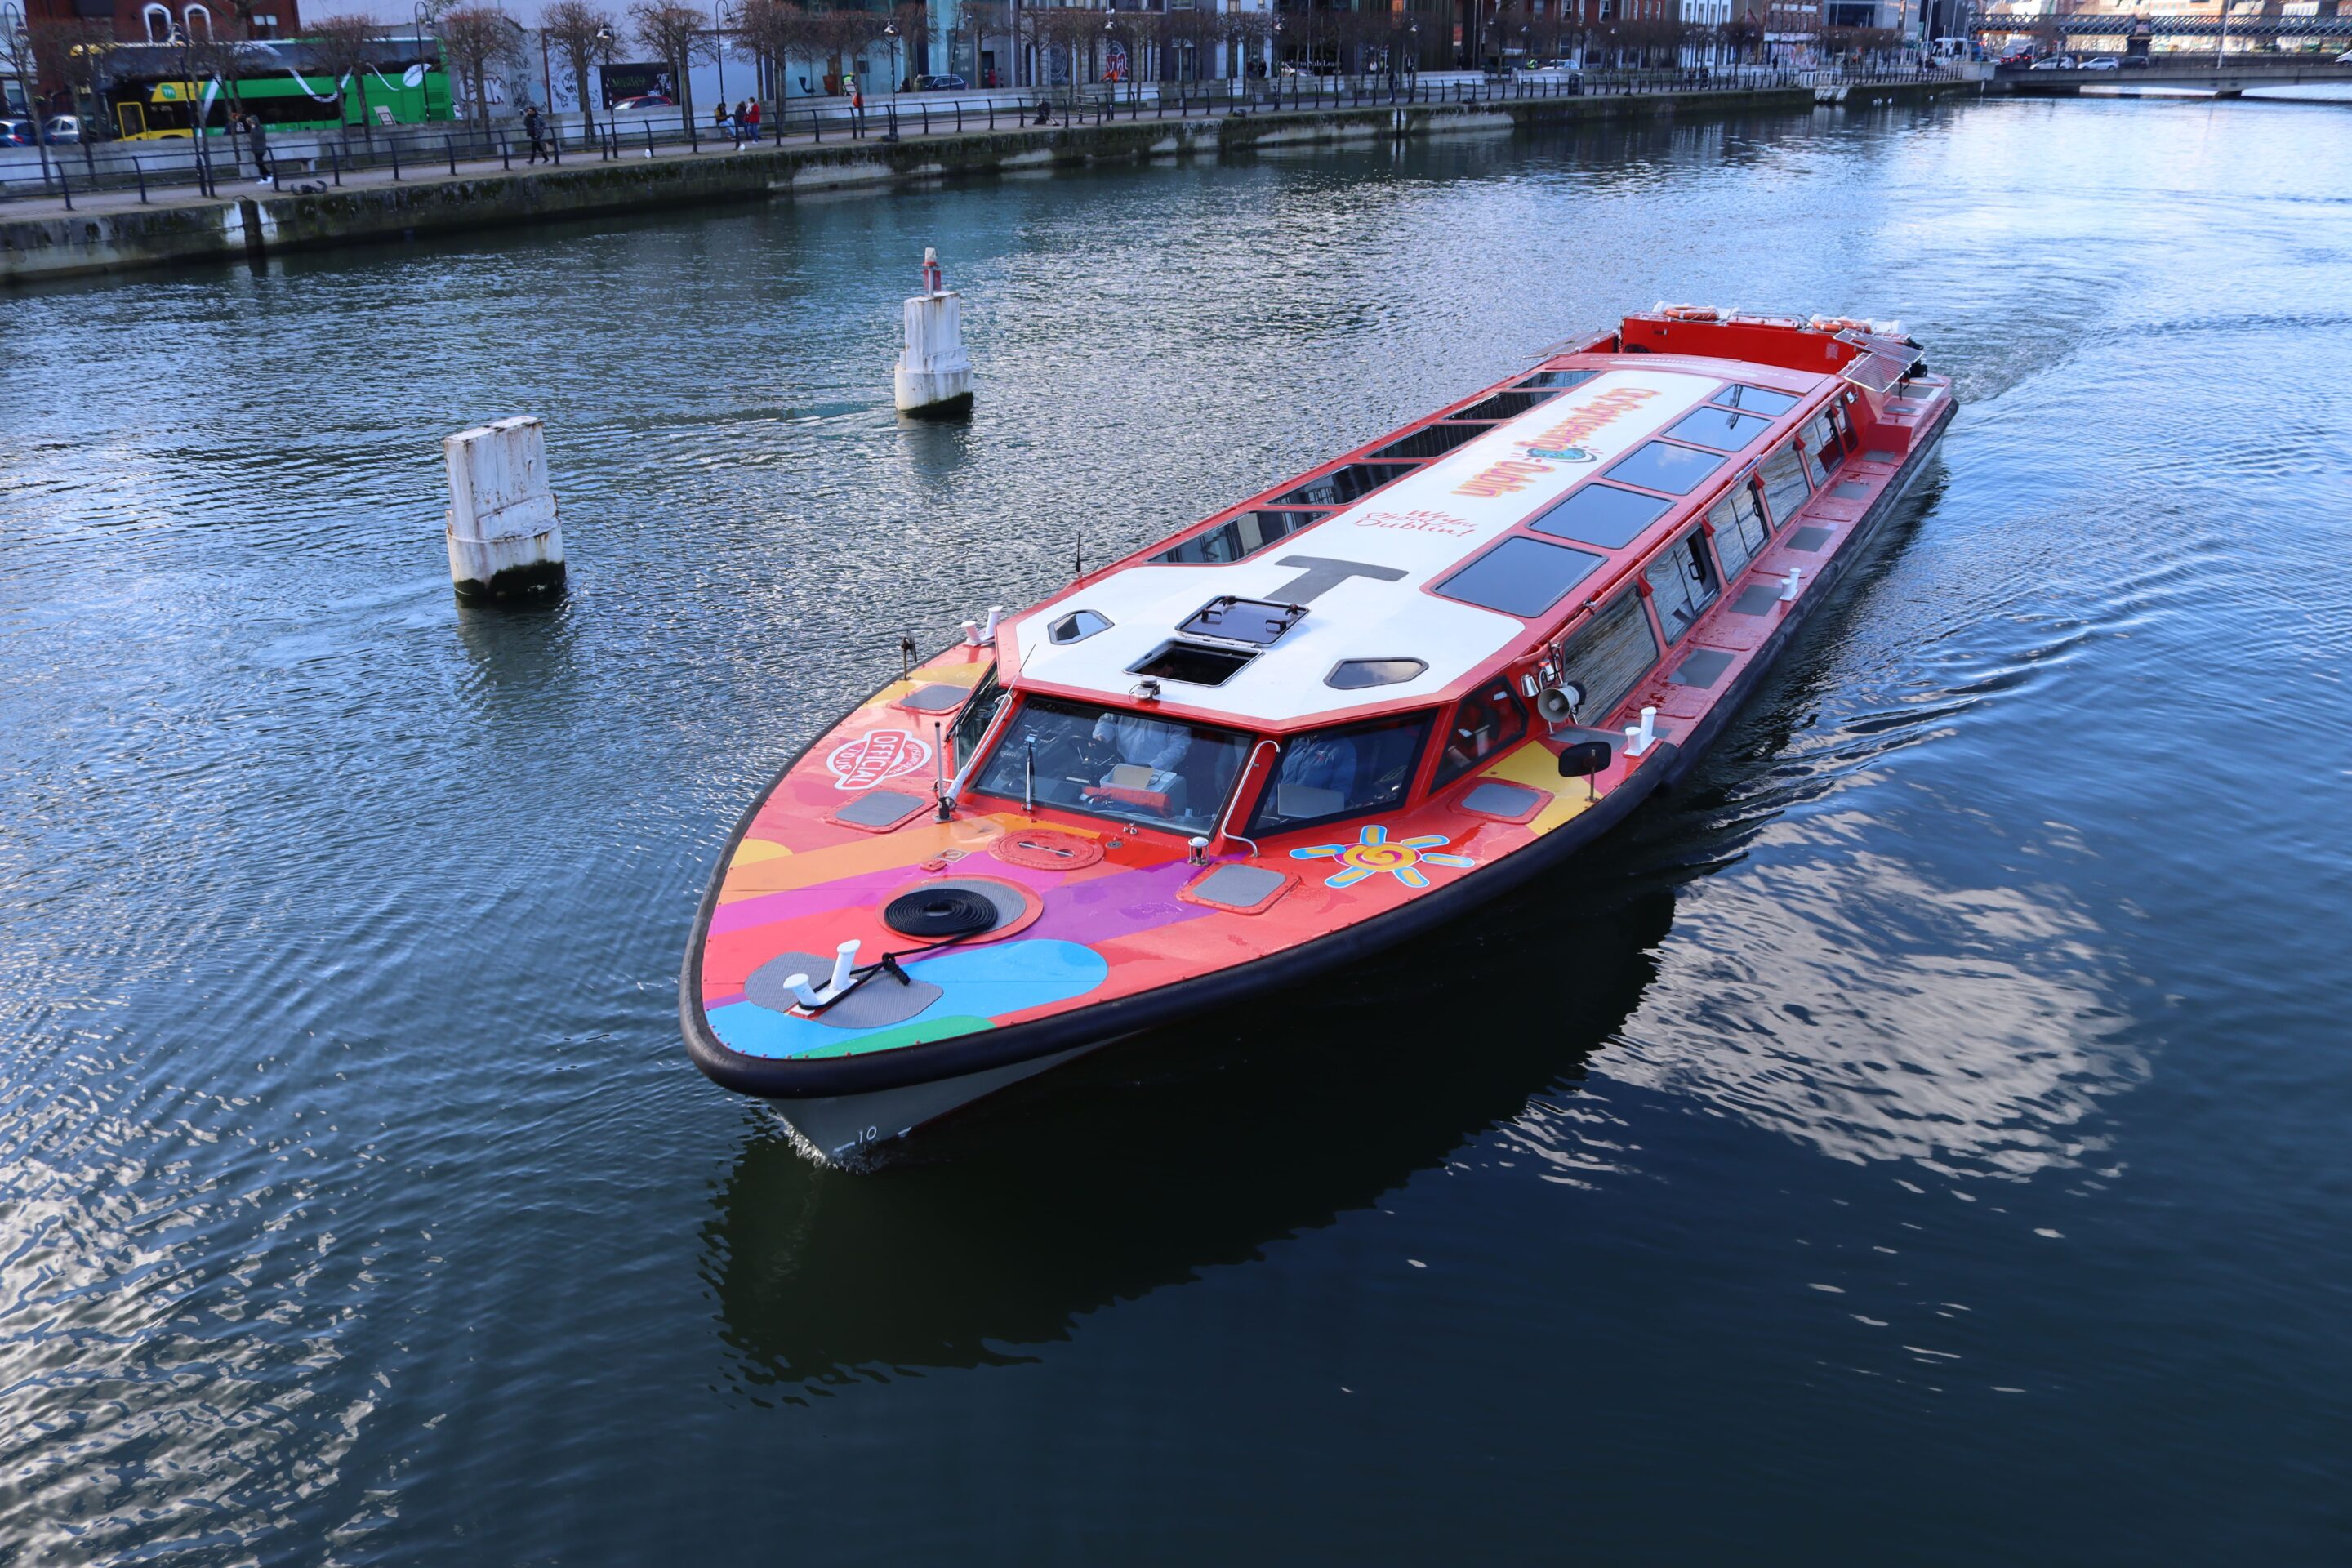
x=936, y=912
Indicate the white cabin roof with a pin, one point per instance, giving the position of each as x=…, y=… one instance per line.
x=1421, y=526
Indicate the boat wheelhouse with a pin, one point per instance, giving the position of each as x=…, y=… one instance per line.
x=1304, y=729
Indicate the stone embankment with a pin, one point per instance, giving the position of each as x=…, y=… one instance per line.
x=108, y=239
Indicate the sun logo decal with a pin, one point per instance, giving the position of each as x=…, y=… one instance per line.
x=1374, y=852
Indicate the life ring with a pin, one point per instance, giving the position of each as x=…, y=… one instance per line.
x=1690, y=312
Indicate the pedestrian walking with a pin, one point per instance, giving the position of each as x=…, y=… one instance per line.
x=857, y=106
x=534, y=128
x=257, y=143
x=754, y=109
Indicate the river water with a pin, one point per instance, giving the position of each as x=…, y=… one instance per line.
x=1923, y=1140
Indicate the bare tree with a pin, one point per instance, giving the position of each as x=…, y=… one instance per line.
x=71, y=51
x=473, y=39
x=582, y=37
x=676, y=34
x=344, y=48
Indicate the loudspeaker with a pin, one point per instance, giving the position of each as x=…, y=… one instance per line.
x=1558, y=704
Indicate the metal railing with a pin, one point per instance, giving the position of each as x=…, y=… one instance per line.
x=226, y=165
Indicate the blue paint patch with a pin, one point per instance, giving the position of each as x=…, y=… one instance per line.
x=974, y=982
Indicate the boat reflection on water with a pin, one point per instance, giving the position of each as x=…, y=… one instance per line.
x=1175, y=1154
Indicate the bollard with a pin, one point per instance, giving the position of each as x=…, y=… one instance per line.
x=933, y=376
x=141, y=168
x=649, y=138
x=63, y=189
x=335, y=157
x=450, y=144
x=395, y=160
x=1795, y=581
x=504, y=542
x=506, y=153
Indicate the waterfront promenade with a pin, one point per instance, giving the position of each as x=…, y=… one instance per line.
x=125, y=230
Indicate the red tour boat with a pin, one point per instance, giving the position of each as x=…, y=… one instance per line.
x=1303, y=730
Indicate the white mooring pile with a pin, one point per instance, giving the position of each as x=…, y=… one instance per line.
x=934, y=374
x=503, y=537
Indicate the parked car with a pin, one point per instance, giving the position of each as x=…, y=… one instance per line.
x=2135, y=62
x=63, y=128
x=2049, y=65
x=2104, y=63
x=16, y=133
x=645, y=101
x=947, y=82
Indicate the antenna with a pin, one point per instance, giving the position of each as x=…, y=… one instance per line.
x=906, y=656
x=1079, y=545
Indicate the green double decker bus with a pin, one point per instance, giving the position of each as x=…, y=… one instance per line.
x=153, y=109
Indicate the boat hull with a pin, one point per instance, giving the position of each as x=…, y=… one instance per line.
x=843, y=1107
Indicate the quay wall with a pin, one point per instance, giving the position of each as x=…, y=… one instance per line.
x=63, y=245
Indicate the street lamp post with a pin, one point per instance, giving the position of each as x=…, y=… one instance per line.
x=890, y=31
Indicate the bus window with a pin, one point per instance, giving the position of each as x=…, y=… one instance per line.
x=1485, y=723
x=131, y=120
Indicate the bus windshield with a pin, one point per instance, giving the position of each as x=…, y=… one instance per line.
x=1113, y=762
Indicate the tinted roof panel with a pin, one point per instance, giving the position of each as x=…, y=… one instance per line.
x=1602, y=514
x=1521, y=577
x=1660, y=466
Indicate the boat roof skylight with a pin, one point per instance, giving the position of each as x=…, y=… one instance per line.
x=1663, y=466
x=1604, y=515
x=1522, y=577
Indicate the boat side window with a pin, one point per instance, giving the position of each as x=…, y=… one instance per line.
x=978, y=710
x=1844, y=423
x=1739, y=528
x=1823, y=452
x=1115, y=762
x=1487, y=722
x=1332, y=774
x=1682, y=586
x=1784, y=485
x=1240, y=537
x=1613, y=652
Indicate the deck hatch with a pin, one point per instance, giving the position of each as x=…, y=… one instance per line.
x=940, y=698
x=1812, y=536
x=1757, y=599
x=1604, y=515
x=1522, y=577
x=1703, y=668
x=1259, y=622
x=1194, y=664
x=1240, y=887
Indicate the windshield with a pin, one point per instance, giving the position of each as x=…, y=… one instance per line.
x=1106, y=762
